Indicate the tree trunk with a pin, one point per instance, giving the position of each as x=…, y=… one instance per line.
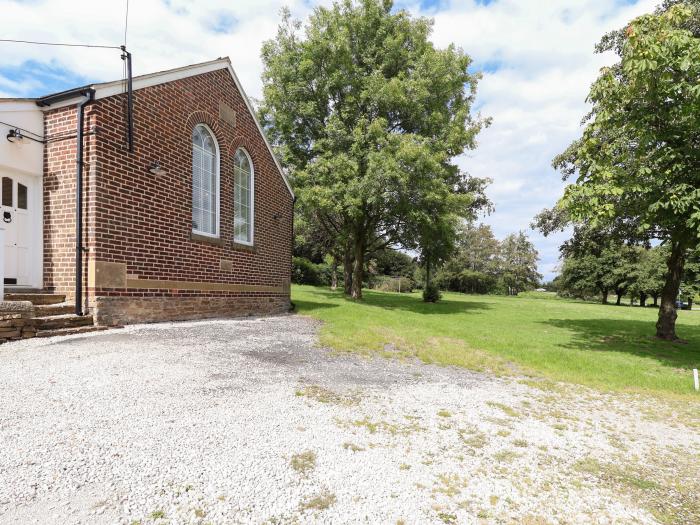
x=427, y=272
x=690, y=303
x=605, y=296
x=619, y=298
x=642, y=300
x=358, y=268
x=666, y=325
x=347, y=270
x=334, y=274
x=656, y=299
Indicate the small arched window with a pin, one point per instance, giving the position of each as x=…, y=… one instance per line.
x=243, y=197
x=205, y=182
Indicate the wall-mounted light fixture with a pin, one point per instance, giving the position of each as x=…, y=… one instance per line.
x=15, y=136
x=156, y=169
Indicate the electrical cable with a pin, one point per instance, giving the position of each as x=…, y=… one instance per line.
x=21, y=129
x=56, y=44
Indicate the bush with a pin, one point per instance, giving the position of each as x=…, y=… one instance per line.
x=431, y=293
x=385, y=283
x=466, y=281
x=306, y=272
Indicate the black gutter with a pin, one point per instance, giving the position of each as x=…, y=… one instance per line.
x=90, y=94
x=63, y=95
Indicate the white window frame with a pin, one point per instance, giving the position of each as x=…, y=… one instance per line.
x=217, y=159
x=252, y=199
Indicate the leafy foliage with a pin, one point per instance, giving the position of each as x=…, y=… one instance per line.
x=482, y=264
x=368, y=116
x=431, y=293
x=519, y=263
x=637, y=162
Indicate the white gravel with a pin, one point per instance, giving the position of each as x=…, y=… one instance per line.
x=198, y=422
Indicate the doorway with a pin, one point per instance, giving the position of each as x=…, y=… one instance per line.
x=20, y=215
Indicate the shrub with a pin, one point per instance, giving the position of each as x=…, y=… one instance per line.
x=466, y=281
x=431, y=293
x=393, y=284
x=306, y=272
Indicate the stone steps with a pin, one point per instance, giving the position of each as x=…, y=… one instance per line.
x=56, y=322
x=36, y=299
x=71, y=331
x=53, y=316
x=45, y=310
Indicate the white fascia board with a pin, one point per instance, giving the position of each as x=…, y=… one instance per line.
x=18, y=104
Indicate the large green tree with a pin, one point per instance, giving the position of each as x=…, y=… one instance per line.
x=639, y=156
x=368, y=116
x=518, y=263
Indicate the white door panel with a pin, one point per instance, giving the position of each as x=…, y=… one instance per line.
x=19, y=201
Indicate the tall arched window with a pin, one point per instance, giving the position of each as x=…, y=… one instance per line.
x=205, y=182
x=243, y=197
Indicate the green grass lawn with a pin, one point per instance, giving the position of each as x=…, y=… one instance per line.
x=606, y=347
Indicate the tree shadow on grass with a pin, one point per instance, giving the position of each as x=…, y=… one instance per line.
x=300, y=305
x=632, y=337
x=390, y=301
x=415, y=304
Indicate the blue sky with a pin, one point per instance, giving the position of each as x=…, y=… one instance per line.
x=536, y=57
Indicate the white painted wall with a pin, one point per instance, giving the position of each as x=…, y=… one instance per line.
x=23, y=161
x=26, y=157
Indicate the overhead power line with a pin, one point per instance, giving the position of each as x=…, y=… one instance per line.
x=9, y=40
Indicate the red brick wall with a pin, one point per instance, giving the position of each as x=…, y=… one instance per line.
x=145, y=220
x=59, y=196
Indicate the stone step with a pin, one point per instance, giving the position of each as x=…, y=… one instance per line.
x=71, y=331
x=46, y=310
x=22, y=289
x=36, y=298
x=56, y=322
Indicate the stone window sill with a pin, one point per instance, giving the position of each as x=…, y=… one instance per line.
x=204, y=238
x=243, y=247
x=218, y=241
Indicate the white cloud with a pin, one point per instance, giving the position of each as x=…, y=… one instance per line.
x=544, y=53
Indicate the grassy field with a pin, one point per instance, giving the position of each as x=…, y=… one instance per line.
x=605, y=347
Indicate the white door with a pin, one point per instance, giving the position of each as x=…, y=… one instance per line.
x=17, y=200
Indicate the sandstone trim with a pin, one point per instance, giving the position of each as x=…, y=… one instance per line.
x=153, y=284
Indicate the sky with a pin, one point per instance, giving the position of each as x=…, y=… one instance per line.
x=537, y=59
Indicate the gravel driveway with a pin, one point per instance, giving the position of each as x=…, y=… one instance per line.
x=246, y=421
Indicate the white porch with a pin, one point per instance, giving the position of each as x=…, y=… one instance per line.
x=21, y=193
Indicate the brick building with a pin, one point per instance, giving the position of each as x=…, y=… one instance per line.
x=195, y=222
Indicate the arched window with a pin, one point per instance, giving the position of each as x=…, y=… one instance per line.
x=243, y=197
x=205, y=182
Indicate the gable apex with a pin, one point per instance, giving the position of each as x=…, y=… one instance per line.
x=118, y=87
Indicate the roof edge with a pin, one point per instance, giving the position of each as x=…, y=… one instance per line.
x=117, y=87
x=260, y=129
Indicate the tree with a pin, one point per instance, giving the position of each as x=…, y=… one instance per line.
x=394, y=263
x=367, y=116
x=518, y=263
x=649, y=275
x=589, y=274
x=690, y=286
x=639, y=156
x=582, y=277
x=478, y=249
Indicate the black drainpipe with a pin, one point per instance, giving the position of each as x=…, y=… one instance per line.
x=291, y=262
x=90, y=94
